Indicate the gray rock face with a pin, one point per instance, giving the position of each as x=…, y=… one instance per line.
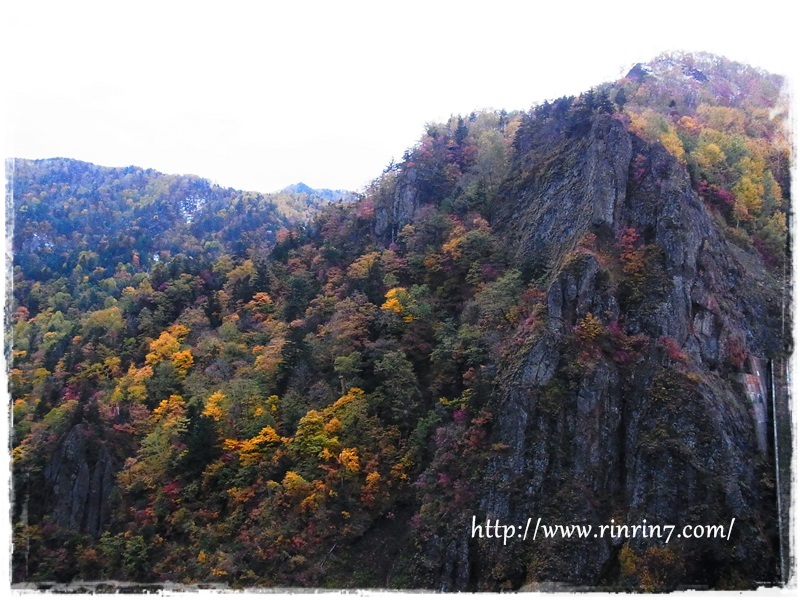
x=392, y=213
x=582, y=184
x=666, y=438
x=80, y=486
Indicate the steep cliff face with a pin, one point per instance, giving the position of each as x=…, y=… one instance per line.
x=623, y=406
x=80, y=481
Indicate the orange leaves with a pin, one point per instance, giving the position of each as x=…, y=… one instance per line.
x=451, y=248
x=371, y=482
x=241, y=496
x=392, y=303
x=260, y=299
x=370, y=489
x=352, y=395
x=261, y=306
x=689, y=125
x=165, y=346
x=333, y=426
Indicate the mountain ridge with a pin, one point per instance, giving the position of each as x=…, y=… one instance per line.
x=575, y=313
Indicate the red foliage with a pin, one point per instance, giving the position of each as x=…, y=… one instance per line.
x=767, y=255
x=674, y=351
x=735, y=352
x=172, y=489
x=718, y=197
x=365, y=209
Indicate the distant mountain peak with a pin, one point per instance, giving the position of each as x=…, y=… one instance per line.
x=324, y=194
x=298, y=188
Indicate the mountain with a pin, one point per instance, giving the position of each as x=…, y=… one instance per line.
x=323, y=193
x=301, y=202
x=119, y=212
x=575, y=315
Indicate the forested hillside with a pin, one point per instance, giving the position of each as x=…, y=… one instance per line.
x=545, y=313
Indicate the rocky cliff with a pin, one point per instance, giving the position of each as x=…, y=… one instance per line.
x=623, y=406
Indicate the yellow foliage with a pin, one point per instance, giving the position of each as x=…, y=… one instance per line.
x=673, y=144
x=451, y=247
x=137, y=393
x=179, y=332
x=292, y=481
x=183, y=361
x=213, y=406
x=167, y=344
x=722, y=118
x=132, y=385
x=392, y=304
x=164, y=347
x=749, y=195
x=589, y=329
x=361, y=267
x=399, y=471
x=39, y=375
x=398, y=301
x=709, y=156
x=112, y=363
x=689, y=124
x=230, y=444
x=638, y=124
x=250, y=451
x=373, y=477
x=333, y=426
x=348, y=458
x=170, y=408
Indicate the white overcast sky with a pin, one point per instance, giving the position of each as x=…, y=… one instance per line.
x=259, y=95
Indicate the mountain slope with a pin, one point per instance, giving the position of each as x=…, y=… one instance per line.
x=561, y=314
